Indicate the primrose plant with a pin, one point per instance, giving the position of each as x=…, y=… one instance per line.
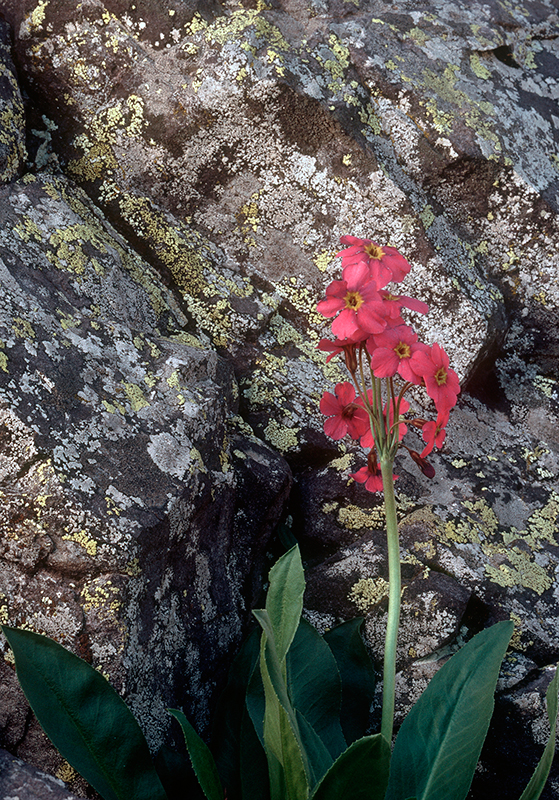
x=385, y=359
x=293, y=720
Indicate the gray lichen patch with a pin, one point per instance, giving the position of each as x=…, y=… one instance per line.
x=12, y=116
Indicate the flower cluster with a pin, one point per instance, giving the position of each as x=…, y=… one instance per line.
x=374, y=339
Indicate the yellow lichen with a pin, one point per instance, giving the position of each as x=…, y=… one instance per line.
x=343, y=463
x=135, y=396
x=478, y=68
x=103, y=598
x=37, y=16
x=66, y=772
x=353, y=518
x=197, y=461
x=520, y=571
x=22, y=328
x=81, y=538
x=427, y=216
x=368, y=592
x=323, y=259
x=281, y=437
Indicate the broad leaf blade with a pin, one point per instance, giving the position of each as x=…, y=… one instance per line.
x=284, y=600
x=438, y=745
x=357, y=675
x=176, y=774
x=85, y=718
x=282, y=740
x=231, y=730
x=539, y=778
x=361, y=772
x=318, y=758
x=202, y=760
x=315, y=687
x=253, y=766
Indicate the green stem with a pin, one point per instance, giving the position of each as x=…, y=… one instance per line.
x=394, y=589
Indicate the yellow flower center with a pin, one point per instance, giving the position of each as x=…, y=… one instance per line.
x=402, y=350
x=353, y=300
x=374, y=251
x=440, y=376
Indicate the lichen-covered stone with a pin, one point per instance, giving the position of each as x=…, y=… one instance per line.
x=226, y=125
x=20, y=780
x=12, y=116
x=136, y=504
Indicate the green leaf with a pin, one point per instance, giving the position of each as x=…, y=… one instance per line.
x=438, y=745
x=256, y=702
x=202, y=760
x=255, y=784
x=318, y=758
x=357, y=675
x=360, y=772
x=539, y=778
x=314, y=686
x=282, y=739
x=284, y=601
x=233, y=734
x=85, y=718
x=176, y=774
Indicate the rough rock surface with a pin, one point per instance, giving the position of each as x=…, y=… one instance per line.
x=136, y=505
x=20, y=780
x=165, y=237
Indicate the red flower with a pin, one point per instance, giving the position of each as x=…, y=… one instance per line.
x=425, y=467
x=385, y=263
x=359, y=304
x=392, y=351
x=395, y=302
x=370, y=475
x=441, y=382
x=434, y=434
x=345, y=415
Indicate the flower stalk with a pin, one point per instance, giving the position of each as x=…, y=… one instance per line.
x=394, y=593
x=369, y=328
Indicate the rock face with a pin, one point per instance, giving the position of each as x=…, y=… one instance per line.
x=171, y=206
x=136, y=504
x=20, y=780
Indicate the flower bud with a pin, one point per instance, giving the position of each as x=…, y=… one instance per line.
x=425, y=467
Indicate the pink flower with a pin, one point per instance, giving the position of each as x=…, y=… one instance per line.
x=385, y=263
x=359, y=304
x=395, y=302
x=392, y=351
x=367, y=439
x=441, y=382
x=370, y=475
x=434, y=434
x=344, y=414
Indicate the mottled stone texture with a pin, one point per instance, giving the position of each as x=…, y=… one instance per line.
x=19, y=780
x=164, y=240
x=12, y=115
x=136, y=504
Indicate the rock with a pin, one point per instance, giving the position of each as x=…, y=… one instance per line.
x=248, y=158
x=12, y=117
x=18, y=779
x=136, y=505
x=355, y=582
